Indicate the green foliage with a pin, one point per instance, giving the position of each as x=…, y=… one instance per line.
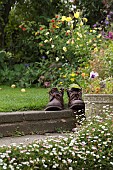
x=90, y=147
x=95, y=11
x=109, y=57
x=19, y=32
x=2, y=56
x=67, y=39
x=102, y=63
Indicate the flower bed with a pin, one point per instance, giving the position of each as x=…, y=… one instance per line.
x=90, y=147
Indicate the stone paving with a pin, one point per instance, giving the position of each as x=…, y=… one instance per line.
x=27, y=139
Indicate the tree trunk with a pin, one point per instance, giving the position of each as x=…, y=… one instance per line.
x=4, y=15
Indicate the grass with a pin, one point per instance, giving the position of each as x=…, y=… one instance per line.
x=12, y=99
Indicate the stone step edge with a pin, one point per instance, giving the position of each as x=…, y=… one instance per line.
x=37, y=122
x=19, y=116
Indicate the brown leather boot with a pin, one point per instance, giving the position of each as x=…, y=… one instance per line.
x=75, y=99
x=56, y=100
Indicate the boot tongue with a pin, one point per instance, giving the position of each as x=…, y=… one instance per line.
x=54, y=89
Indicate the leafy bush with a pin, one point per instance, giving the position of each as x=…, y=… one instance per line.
x=95, y=11
x=67, y=39
x=89, y=147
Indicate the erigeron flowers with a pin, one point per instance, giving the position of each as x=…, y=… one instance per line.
x=45, y=41
x=52, y=46
x=47, y=33
x=66, y=152
x=64, y=49
x=57, y=58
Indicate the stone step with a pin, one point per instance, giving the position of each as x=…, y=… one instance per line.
x=36, y=122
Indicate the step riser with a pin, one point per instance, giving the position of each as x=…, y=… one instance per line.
x=36, y=122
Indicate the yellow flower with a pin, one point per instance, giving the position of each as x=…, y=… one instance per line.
x=81, y=23
x=68, y=42
x=85, y=19
x=99, y=35
x=56, y=26
x=94, y=44
x=68, y=31
x=95, y=49
x=68, y=19
x=72, y=74
x=79, y=34
x=36, y=33
x=60, y=82
x=64, y=49
x=72, y=42
x=90, y=41
x=72, y=79
x=77, y=14
x=78, y=38
x=63, y=18
x=81, y=45
x=64, y=76
x=72, y=26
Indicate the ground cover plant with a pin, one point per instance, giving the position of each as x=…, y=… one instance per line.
x=89, y=147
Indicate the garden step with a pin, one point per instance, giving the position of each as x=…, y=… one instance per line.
x=36, y=122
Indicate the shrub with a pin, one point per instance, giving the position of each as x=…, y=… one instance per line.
x=67, y=39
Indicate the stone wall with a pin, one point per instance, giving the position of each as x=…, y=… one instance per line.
x=98, y=103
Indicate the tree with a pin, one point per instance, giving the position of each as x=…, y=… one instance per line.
x=5, y=8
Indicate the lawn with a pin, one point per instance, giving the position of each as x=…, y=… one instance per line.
x=12, y=99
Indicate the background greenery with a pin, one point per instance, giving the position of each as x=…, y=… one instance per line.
x=38, y=48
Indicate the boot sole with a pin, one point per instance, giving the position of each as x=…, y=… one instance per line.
x=53, y=108
x=77, y=107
